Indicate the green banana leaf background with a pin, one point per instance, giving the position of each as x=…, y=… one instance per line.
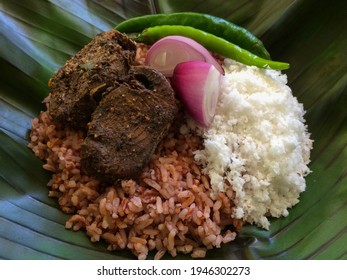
x=37, y=37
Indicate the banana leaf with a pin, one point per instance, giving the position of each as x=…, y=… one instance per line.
x=37, y=37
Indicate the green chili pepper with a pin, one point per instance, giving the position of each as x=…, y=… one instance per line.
x=208, y=23
x=211, y=42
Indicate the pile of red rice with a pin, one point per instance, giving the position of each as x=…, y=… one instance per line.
x=168, y=209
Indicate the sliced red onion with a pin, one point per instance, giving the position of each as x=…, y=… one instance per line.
x=166, y=53
x=198, y=85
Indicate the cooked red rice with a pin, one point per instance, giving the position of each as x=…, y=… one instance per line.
x=168, y=209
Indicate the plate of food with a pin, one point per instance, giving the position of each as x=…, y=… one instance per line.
x=173, y=130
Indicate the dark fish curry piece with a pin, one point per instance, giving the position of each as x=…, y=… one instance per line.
x=127, y=126
x=77, y=87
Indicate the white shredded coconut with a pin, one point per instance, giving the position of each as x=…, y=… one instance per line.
x=258, y=142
